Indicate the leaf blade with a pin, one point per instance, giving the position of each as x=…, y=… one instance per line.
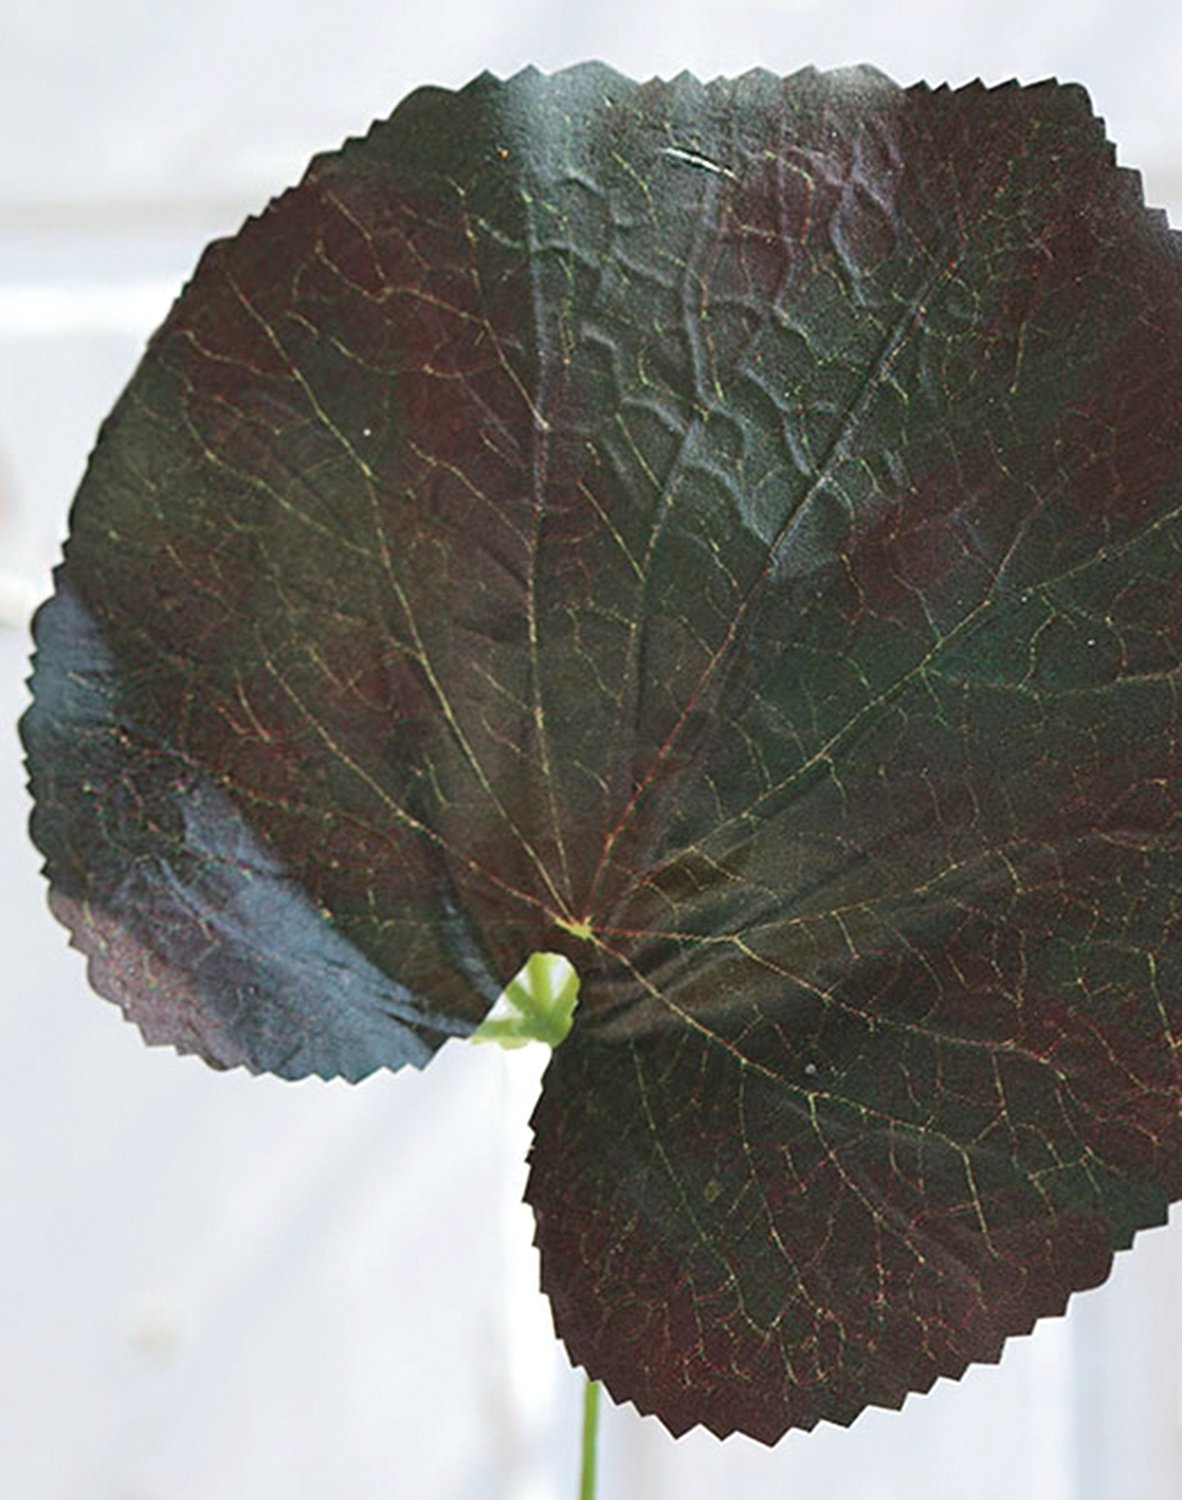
x=727, y=535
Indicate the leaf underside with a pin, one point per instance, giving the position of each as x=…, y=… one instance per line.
x=727, y=535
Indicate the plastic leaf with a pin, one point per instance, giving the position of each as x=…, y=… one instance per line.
x=727, y=535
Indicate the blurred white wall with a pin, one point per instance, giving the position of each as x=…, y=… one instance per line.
x=213, y=1285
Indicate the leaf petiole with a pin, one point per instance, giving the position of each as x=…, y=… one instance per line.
x=591, y=1392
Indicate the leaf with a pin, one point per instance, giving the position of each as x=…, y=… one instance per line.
x=726, y=535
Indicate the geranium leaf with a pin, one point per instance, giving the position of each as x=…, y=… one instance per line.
x=727, y=535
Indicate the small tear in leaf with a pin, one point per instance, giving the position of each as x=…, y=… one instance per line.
x=693, y=159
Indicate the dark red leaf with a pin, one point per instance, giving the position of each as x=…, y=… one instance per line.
x=727, y=534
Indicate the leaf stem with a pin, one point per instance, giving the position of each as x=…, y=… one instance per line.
x=590, y=1439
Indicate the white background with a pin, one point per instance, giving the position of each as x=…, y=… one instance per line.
x=212, y=1285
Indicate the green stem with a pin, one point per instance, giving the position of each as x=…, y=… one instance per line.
x=590, y=1439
